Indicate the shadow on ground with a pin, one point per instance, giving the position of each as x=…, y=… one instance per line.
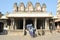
x=4, y=32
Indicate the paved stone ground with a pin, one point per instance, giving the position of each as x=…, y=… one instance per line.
x=19, y=36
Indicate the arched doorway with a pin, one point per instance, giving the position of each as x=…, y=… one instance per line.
x=1, y=27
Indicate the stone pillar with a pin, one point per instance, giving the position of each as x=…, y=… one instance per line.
x=46, y=24
x=35, y=24
x=23, y=25
x=57, y=25
x=5, y=24
x=43, y=26
x=12, y=24
x=15, y=26
x=53, y=25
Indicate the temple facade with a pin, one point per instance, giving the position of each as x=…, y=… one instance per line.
x=23, y=15
x=57, y=17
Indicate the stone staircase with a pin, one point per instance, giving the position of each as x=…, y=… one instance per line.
x=20, y=32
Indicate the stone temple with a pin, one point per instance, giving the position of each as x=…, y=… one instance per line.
x=57, y=17
x=29, y=14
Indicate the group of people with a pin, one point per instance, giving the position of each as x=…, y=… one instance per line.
x=31, y=30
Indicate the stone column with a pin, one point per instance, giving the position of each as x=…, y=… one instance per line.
x=35, y=24
x=12, y=24
x=5, y=24
x=43, y=24
x=15, y=26
x=53, y=25
x=23, y=25
x=11, y=27
x=57, y=25
x=46, y=24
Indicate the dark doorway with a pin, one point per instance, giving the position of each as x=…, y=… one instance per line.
x=1, y=27
x=30, y=21
x=40, y=24
x=55, y=25
x=20, y=24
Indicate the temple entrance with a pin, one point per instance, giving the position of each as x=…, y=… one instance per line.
x=29, y=21
x=1, y=26
x=40, y=24
x=19, y=24
x=57, y=25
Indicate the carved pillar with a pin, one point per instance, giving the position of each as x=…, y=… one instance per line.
x=43, y=26
x=15, y=26
x=5, y=24
x=57, y=25
x=53, y=25
x=35, y=24
x=46, y=24
x=23, y=25
x=12, y=24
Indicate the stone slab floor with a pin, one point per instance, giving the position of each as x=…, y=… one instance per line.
x=19, y=36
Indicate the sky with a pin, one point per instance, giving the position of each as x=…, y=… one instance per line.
x=7, y=5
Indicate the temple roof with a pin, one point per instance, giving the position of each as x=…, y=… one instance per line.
x=3, y=17
x=58, y=20
x=30, y=14
x=21, y=4
x=15, y=5
x=37, y=4
x=57, y=17
x=44, y=5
